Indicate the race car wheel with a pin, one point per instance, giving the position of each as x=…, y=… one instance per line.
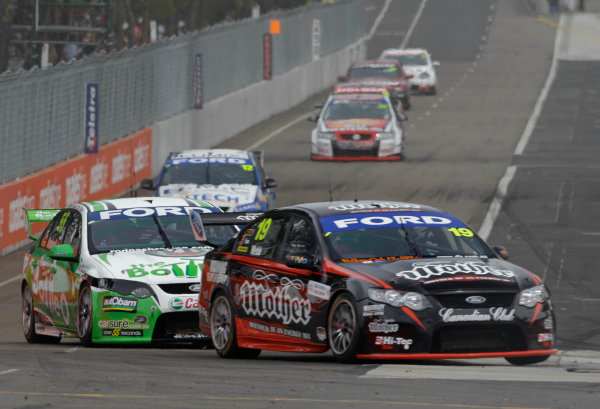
x=223, y=333
x=29, y=321
x=342, y=329
x=85, y=315
x=527, y=360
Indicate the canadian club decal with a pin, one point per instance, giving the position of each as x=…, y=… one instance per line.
x=283, y=303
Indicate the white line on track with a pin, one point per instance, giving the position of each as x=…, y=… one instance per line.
x=379, y=18
x=10, y=280
x=413, y=24
x=495, y=206
x=8, y=371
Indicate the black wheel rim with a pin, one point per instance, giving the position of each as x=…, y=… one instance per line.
x=84, y=313
x=27, y=307
x=220, y=323
x=342, y=327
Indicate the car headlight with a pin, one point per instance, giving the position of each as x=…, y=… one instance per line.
x=531, y=296
x=326, y=135
x=424, y=75
x=124, y=287
x=385, y=135
x=412, y=300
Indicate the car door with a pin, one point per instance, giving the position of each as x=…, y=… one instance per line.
x=273, y=294
x=53, y=280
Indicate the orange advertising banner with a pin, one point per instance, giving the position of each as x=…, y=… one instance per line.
x=115, y=169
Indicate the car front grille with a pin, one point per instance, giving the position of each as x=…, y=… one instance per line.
x=460, y=300
x=352, y=136
x=178, y=288
x=483, y=338
x=178, y=326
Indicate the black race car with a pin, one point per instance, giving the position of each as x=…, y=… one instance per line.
x=370, y=280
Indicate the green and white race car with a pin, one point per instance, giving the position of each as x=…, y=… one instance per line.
x=116, y=271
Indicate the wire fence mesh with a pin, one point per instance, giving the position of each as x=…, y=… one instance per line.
x=42, y=111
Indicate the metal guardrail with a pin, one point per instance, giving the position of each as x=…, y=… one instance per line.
x=42, y=111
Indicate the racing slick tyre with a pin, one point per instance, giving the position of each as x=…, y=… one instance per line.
x=31, y=336
x=527, y=360
x=343, y=329
x=223, y=332
x=85, y=315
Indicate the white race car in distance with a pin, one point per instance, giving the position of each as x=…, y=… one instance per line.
x=418, y=63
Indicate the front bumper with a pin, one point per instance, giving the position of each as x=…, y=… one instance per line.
x=400, y=333
x=368, y=149
x=142, y=321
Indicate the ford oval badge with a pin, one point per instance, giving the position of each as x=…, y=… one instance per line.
x=475, y=299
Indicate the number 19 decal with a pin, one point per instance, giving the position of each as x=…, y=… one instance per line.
x=461, y=231
x=263, y=228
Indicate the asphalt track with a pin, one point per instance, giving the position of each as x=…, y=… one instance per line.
x=487, y=141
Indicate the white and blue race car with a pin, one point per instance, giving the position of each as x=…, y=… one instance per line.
x=234, y=180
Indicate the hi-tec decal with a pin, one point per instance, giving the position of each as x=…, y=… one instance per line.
x=149, y=212
x=389, y=219
x=421, y=271
x=283, y=303
x=200, y=161
x=387, y=342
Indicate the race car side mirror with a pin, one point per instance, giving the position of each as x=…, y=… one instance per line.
x=63, y=252
x=147, y=184
x=313, y=118
x=271, y=182
x=343, y=78
x=501, y=252
x=436, y=63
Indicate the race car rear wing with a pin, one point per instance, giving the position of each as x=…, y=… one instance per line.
x=38, y=216
x=199, y=220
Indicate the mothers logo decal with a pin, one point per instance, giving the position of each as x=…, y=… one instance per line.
x=422, y=271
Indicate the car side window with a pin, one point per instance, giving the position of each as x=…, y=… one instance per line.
x=55, y=232
x=73, y=231
x=261, y=238
x=301, y=239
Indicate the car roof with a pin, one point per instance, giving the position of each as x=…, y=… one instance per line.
x=404, y=51
x=140, y=202
x=323, y=209
x=211, y=153
x=366, y=63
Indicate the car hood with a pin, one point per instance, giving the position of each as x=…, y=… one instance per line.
x=448, y=274
x=154, y=266
x=226, y=196
x=356, y=124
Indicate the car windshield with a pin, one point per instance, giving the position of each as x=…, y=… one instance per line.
x=151, y=231
x=409, y=59
x=209, y=174
x=347, y=109
x=396, y=236
x=383, y=71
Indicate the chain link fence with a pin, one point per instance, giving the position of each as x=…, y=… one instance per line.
x=42, y=111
